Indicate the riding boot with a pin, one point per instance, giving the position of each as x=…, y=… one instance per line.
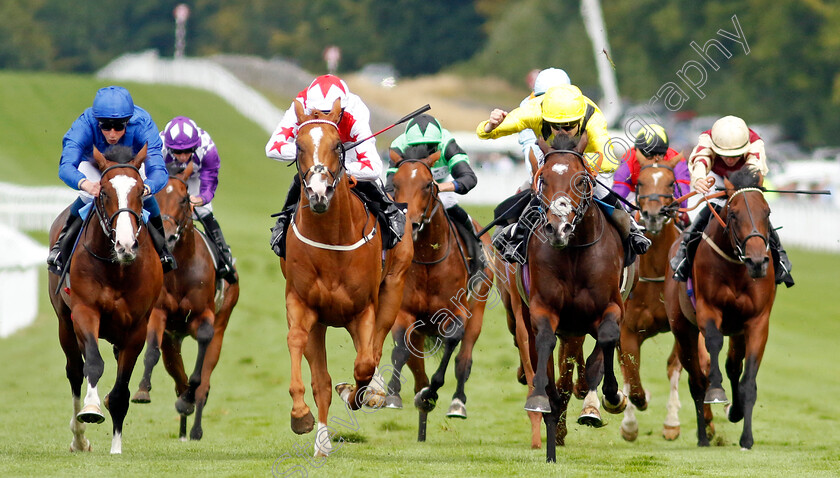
x=225, y=267
x=781, y=262
x=278, y=232
x=511, y=242
x=394, y=212
x=63, y=244
x=463, y=223
x=681, y=262
x=630, y=233
x=167, y=260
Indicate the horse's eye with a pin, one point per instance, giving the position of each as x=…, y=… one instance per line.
x=429, y=186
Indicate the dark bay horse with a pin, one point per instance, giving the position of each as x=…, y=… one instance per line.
x=334, y=276
x=644, y=311
x=734, y=287
x=440, y=299
x=575, y=265
x=114, y=278
x=193, y=302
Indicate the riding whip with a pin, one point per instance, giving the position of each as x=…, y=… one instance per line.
x=405, y=118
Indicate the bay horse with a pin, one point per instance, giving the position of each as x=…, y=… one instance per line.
x=114, y=278
x=735, y=289
x=514, y=298
x=193, y=302
x=335, y=277
x=440, y=298
x=575, y=268
x=644, y=311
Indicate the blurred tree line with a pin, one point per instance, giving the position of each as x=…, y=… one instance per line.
x=790, y=76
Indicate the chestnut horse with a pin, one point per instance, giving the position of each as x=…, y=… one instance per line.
x=114, y=278
x=334, y=276
x=575, y=264
x=440, y=299
x=734, y=287
x=644, y=311
x=193, y=302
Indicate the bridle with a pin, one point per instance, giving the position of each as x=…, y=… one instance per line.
x=107, y=225
x=320, y=168
x=433, y=204
x=578, y=209
x=739, y=245
x=665, y=210
x=181, y=224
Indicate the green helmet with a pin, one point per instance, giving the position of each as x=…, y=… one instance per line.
x=423, y=129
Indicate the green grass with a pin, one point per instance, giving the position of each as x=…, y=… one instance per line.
x=246, y=422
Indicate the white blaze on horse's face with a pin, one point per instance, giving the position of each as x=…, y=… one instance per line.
x=318, y=183
x=656, y=177
x=560, y=169
x=124, y=231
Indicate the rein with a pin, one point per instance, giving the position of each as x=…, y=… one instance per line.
x=737, y=245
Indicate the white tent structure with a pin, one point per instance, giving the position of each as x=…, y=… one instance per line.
x=20, y=261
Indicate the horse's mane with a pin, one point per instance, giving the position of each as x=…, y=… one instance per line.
x=119, y=154
x=747, y=177
x=564, y=142
x=419, y=151
x=176, y=167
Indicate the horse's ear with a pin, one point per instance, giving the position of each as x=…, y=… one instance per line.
x=395, y=157
x=672, y=163
x=584, y=140
x=432, y=159
x=730, y=188
x=299, y=111
x=532, y=159
x=641, y=158
x=187, y=172
x=140, y=157
x=335, y=112
x=100, y=159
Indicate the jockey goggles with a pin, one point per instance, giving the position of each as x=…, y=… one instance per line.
x=112, y=124
x=564, y=126
x=183, y=151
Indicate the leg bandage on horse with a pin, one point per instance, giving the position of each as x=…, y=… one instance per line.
x=225, y=266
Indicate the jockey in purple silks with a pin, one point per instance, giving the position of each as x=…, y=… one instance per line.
x=184, y=142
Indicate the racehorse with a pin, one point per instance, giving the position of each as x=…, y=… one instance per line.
x=334, y=276
x=644, y=311
x=734, y=288
x=514, y=297
x=193, y=302
x=440, y=299
x=575, y=263
x=114, y=278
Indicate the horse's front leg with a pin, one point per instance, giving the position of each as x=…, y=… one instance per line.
x=154, y=337
x=755, y=334
x=86, y=326
x=463, y=362
x=214, y=350
x=203, y=335
x=609, y=334
x=361, y=330
x=316, y=355
x=170, y=349
x=117, y=401
x=714, y=344
x=301, y=319
x=74, y=369
x=544, y=324
x=630, y=361
x=427, y=398
x=399, y=356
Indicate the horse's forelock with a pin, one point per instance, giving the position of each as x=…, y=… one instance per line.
x=119, y=154
x=746, y=177
x=564, y=142
x=418, y=151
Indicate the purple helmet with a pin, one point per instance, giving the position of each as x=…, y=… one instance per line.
x=181, y=133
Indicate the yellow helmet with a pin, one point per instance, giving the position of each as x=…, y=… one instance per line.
x=563, y=104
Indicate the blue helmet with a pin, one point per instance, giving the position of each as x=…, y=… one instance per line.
x=113, y=102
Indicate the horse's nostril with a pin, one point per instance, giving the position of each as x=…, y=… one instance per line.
x=549, y=229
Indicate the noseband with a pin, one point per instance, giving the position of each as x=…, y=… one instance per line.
x=108, y=224
x=739, y=245
x=319, y=168
x=430, y=210
x=656, y=197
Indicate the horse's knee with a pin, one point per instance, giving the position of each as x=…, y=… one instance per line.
x=204, y=334
x=363, y=369
x=608, y=333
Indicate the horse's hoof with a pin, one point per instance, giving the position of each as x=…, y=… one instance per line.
x=393, y=401
x=538, y=403
x=142, y=396
x=344, y=390
x=457, y=409
x=374, y=399
x=591, y=417
x=640, y=401
x=184, y=407
x=731, y=415
x=617, y=408
x=304, y=424
x=424, y=404
x=715, y=395
x=710, y=430
x=196, y=434
x=83, y=447
x=90, y=414
x=670, y=432
x=629, y=433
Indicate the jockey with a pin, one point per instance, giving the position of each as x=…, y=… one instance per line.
x=563, y=110
x=651, y=141
x=546, y=79
x=184, y=141
x=729, y=146
x=362, y=162
x=452, y=172
x=113, y=119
